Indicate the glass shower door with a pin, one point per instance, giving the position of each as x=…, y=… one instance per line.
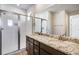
x=9, y=33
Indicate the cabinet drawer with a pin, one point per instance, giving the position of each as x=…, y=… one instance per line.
x=36, y=50
x=30, y=52
x=27, y=45
x=36, y=47
x=29, y=39
x=42, y=52
x=31, y=49
x=51, y=50
x=36, y=43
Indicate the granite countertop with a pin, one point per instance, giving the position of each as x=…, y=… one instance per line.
x=63, y=46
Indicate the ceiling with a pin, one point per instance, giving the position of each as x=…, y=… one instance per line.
x=21, y=6
x=25, y=6
x=42, y=7
x=57, y=7
x=49, y=7
x=68, y=7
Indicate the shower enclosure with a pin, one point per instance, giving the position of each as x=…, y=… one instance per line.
x=14, y=28
x=12, y=32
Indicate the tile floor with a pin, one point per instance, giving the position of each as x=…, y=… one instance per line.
x=20, y=52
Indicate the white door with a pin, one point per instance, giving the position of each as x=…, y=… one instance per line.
x=74, y=25
x=9, y=33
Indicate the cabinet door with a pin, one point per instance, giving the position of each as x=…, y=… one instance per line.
x=44, y=49
x=36, y=43
x=36, y=47
x=42, y=52
x=31, y=48
x=36, y=50
x=49, y=50
x=29, y=45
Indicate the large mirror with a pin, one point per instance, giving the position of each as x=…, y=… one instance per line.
x=40, y=25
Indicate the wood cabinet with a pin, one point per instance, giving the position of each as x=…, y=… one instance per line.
x=29, y=45
x=34, y=47
x=49, y=50
x=36, y=50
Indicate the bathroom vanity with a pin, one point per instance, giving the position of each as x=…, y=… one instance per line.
x=35, y=47
x=43, y=45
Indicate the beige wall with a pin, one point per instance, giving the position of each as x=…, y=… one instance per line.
x=59, y=23
x=49, y=23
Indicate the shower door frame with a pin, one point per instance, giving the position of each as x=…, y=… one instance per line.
x=18, y=15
